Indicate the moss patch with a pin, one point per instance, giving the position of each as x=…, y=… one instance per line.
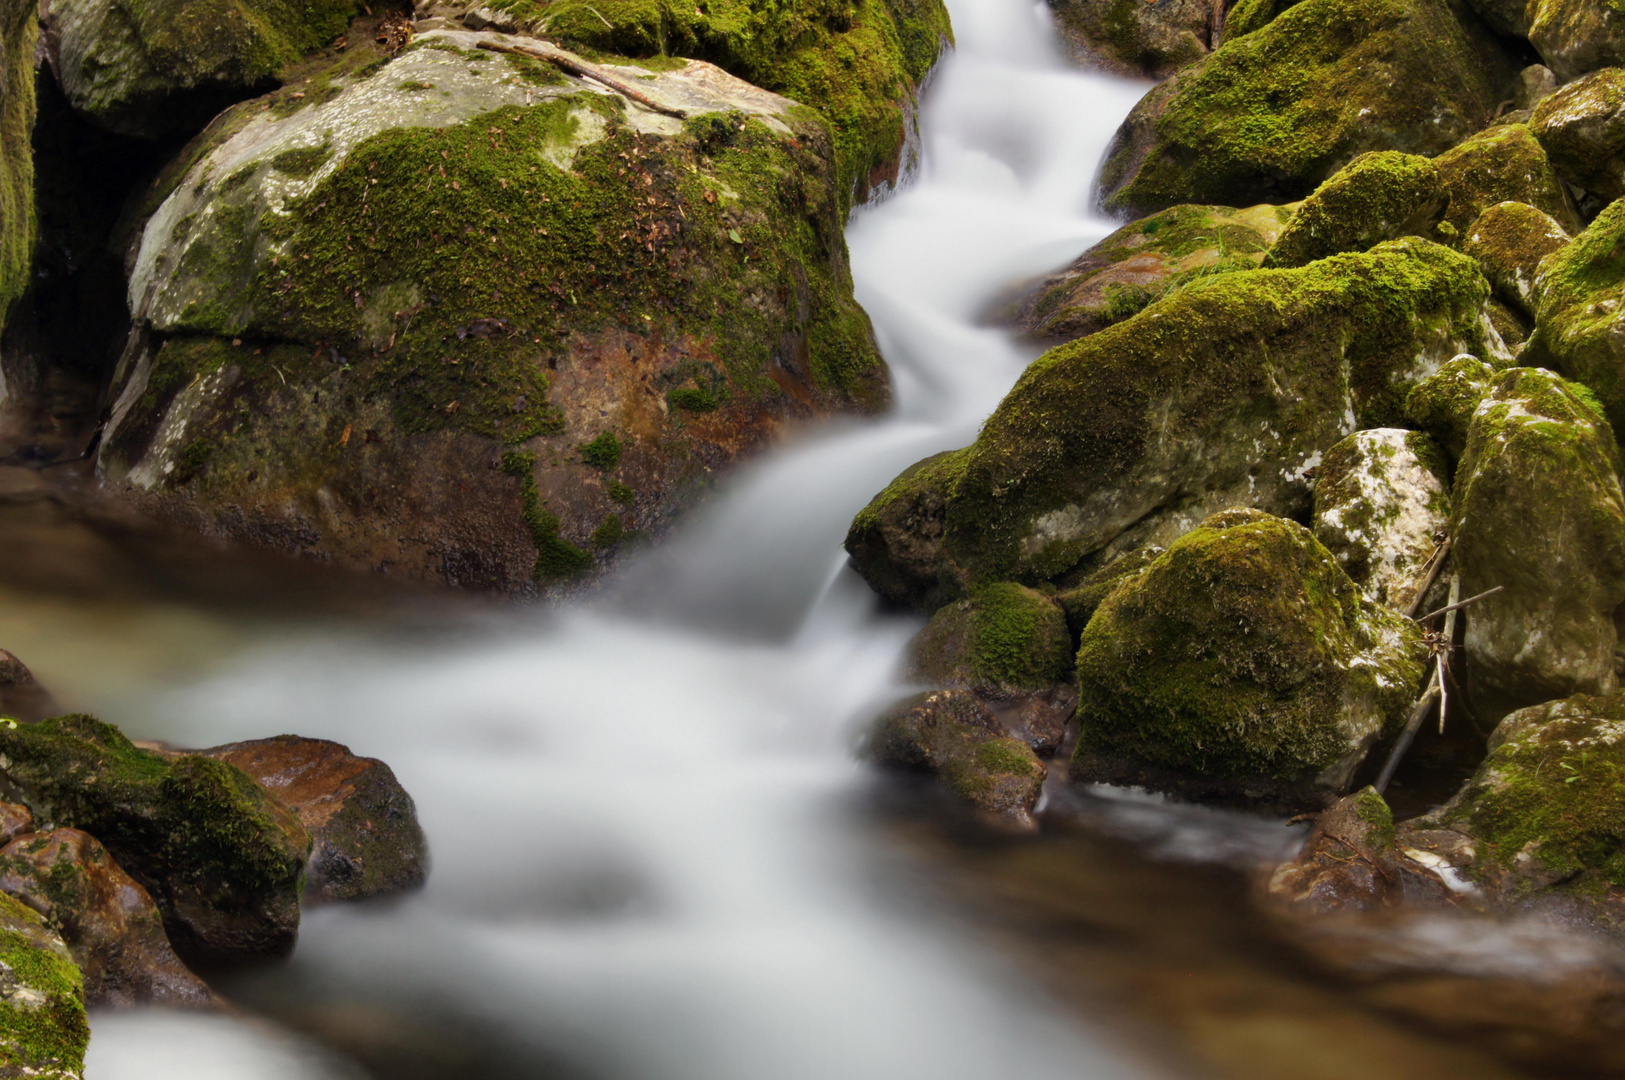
x=43, y=1027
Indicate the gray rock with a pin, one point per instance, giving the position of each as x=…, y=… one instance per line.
x=1147, y=38
x=1509, y=240
x=1582, y=127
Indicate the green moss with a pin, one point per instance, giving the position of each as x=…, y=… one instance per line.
x=1002, y=638
x=1504, y=163
x=896, y=540
x=603, y=451
x=190, y=461
x=302, y=162
x=1443, y=404
x=18, y=34
x=1372, y=809
x=43, y=1036
x=1250, y=15
x=556, y=558
x=620, y=492
x=1577, y=324
x=609, y=532
x=1376, y=197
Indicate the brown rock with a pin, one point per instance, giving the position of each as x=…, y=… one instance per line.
x=21, y=695
x=15, y=820
x=365, y=828
x=109, y=922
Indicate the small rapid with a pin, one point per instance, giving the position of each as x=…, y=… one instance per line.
x=641, y=811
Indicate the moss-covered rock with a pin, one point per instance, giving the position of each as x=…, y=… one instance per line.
x=1271, y=114
x=1080, y=600
x=1577, y=36
x=1249, y=15
x=1002, y=638
x=1244, y=666
x=1510, y=17
x=43, y=1028
x=108, y=921
x=450, y=272
x=952, y=735
x=163, y=67
x=1509, y=240
x=1148, y=38
x=860, y=63
x=1143, y=262
x=1377, y=196
x=1382, y=504
x=1504, y=163
x=223, y=861
x=1539, y=513
x=19, y=30
x=1582, y=128
x=1579, y=326
x=1225, y=393
x=1443, y=404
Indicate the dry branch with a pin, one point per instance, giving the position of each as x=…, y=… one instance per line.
x=574, y=65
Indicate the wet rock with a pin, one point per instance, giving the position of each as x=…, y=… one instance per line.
x=1577, y=36
x=164, y=68
x=1382, y=501
x=1081, y=599
x=548, y=266
x=1038, y=718
x=1277, y=111
x=1443, y=404
x=1144, y=261
x=1001, y=639
x=15, y=820
x=364, y=827
x=1376, y=197
x=43, y=1028
x=1579, y=328
x=222, y=860
x=1225, y=393
x=1509, y=240
x=1582, y=127
x=1241, y=666
x=19, y=30
x=21, y=696
x=1506, y=163
x=1148, y=38
x=1351, y=863
x=108, y=921
x=952, y=735
x=1539, y=513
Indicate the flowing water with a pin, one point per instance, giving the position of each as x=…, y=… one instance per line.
x=647, y=858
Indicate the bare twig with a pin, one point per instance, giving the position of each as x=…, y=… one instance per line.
x=1456, y=605
x=574, y=65
x=1424, y=705
x=1429, y=574
x=1447, y=644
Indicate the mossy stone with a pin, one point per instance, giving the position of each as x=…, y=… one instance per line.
x=1577, y=36
x=1539, y=514
x=223, y=861
x=1505, y=163
x=1144, y=261
x=1582, y=128
x=1509, y=240
x=1146, y=38
x=1225, y=393
x=19, y=30
x=43, y=1027
x=1443, y=404
x=1271, y=114
x=1579, y=324
x=1249, y=15
x=1003, y=638
x=1241, y=666
x=1377, y=196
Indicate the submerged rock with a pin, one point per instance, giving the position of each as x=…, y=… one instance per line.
x=492, y=318
x=1582, y=127
x=1149, y=38
x=1506, y=163
x=164, y=67
x=1378, y=196
x=1226, y=393
x=1509, y=240
x=1241, y=666
x=21, y=695
x=109, y=923
x=1144, y=261
x=43, y=1028
x=364, y=827
x=221, y=859
x=1382, y=503
x=1273, y=113
x=952, y=735
x=1539, y=513
x=1579, y=326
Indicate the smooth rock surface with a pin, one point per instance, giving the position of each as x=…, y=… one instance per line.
x=21, y=696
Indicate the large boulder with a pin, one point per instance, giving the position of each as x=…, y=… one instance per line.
x=1144, y=261
x=1579, y=325
x=21, y=695
x=163, y=67
x=1582, y=128
x=366, y=840
x=1509, y=240
x=1382, y=504
x=1443, y=404
x=1226, y=393
x=1147, y=38
x=1539, y=514
x=1377, y=196
x=43, y=1028
x=1577, y=36
x=1242, y=665
x=1505, y=163
x=222, y=860
x=462, y=317
x=1273, y=113
x=108, y=921
x=19, y=30
x=953, y=736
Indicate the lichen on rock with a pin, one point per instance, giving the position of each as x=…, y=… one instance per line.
x=1241, y=665
x=1582, y=127
x=1504, y=163
x=1378, y=196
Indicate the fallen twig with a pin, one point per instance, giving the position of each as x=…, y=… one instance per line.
x=1424, y=705
x=1429, y=574
x=1455, y=606
x=574, y=65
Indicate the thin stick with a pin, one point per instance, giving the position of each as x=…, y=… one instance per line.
x=574, y=65
x=1454, y=607
x=1412, y=726
x=1449, y=643
x=1430, y=574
